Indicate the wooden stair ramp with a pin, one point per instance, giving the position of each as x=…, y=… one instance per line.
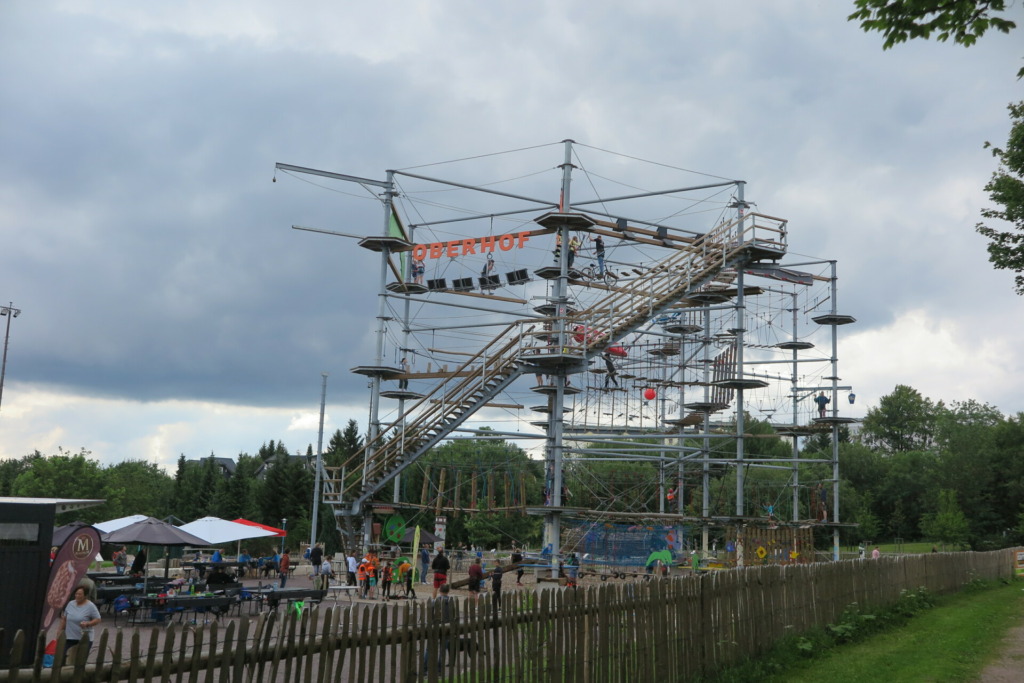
x=476, y=382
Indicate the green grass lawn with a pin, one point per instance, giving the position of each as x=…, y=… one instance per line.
x=908, y=548
x=950, y=642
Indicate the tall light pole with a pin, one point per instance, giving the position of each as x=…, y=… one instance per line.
x=11, y=312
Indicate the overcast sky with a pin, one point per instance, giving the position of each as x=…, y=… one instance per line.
x=168, y=307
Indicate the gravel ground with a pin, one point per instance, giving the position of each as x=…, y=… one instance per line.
x=1009, y=667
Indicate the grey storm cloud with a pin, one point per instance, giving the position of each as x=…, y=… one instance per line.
x=154, y=258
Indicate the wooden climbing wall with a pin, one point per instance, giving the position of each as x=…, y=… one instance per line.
x=779, y=545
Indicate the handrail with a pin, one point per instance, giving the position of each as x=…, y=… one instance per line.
x=458, y=396
x=614, y=316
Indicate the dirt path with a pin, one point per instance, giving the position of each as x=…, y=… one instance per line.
x=1009, y=667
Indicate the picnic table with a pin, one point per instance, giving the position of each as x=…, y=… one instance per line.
x=108, y=592
x=274, y=596
x=106, y=595
x=114, y=579
x=163, y=608
x=202, y=566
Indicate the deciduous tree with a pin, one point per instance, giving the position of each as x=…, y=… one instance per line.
x=906, y=491
x=948, y=523
x=963, y=21
x=903, y=421
x=10, y=469
x=1006, y=189
x=136, y=487
x=64, y=475
x=868, y=525
x=969, y=463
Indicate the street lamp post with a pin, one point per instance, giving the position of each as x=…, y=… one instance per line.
x=284, y=527
x=10, y=312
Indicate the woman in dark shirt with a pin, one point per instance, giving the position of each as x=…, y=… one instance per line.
x=476, y=575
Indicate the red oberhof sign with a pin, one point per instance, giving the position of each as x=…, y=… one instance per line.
x=470, y=246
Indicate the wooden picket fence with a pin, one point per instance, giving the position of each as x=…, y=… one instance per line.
x=661, y=629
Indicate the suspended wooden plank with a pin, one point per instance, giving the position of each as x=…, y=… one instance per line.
x=494, y=297
x=458, y=487
x=423, y=491
x=508, y=491
x=451, y=353
x=439, y=501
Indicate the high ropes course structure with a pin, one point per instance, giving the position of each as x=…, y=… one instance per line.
x=594, y=320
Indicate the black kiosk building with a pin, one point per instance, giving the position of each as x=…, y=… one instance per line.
x=26, y=535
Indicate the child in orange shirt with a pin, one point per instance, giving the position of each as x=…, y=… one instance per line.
x=361, y=578
x=385, y=584
x=371, y=575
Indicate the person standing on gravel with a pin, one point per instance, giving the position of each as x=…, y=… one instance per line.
x=440, y=565
x=351, y=565
x=316, y=557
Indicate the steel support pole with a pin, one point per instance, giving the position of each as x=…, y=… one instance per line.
x=553, y=522
x=9, y=311
x=405, y=353
x=740, y=328
x=374, y=425
x=796, y=439
x=835, y=425
x=705, y=451
x=319, y=461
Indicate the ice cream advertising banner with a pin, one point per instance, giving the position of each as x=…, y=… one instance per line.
x=69, y=566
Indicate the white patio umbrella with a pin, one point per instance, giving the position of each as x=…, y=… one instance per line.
x=217, y=531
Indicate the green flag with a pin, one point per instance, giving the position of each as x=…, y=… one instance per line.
x=397, y=229
x=416, y=555
x=395, y=226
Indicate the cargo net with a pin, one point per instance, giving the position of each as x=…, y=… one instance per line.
x=605, y=547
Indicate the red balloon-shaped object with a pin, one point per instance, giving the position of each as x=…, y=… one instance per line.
x=649, y=394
